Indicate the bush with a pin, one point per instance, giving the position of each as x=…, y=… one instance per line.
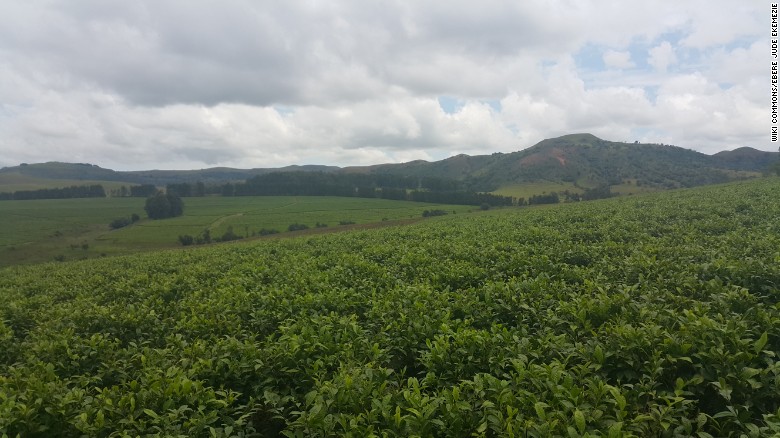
x=346, y=222
x=205, y=237
x=320, y=225
x=297, y=227
x=229, y=235
x=484, y=206
x=134, y=218
x=186, y=240
x=119, y=223
x=429, y=213
x=266, y=231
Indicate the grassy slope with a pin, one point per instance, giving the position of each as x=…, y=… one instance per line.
x=526, y=190
x=43, y=229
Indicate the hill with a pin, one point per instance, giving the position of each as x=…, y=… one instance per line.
x=54, y=174
x=588, y=161
x=578, y=160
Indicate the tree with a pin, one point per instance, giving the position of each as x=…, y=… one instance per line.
x=161, y=206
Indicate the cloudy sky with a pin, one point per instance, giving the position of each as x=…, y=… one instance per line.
x=150, y=84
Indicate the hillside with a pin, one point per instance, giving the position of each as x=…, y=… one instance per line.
x=588, y=161
x=581, y=160
x=651, y=316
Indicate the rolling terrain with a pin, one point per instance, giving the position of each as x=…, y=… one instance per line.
x=577, y=161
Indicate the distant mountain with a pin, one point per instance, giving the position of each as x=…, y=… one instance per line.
x=744, y=159
x=91, y=172
x=582, y=159
x=589, y=161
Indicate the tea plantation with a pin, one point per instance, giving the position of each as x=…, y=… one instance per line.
x=654, y=315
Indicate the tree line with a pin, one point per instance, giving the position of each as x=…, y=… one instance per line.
x=91, y=191
x=384, y=186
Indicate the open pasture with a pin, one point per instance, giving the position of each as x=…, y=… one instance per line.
x=40, y=230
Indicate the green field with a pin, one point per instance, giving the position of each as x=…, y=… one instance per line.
x=40, y=230
x=526, y=190
x=646, y=316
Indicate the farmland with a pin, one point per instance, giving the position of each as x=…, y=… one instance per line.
x=652, y=315
x=72, y=229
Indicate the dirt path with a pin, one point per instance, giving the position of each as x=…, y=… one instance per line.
x=219, y=221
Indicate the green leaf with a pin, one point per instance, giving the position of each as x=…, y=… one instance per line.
x=579, y=421
x=758, y=347
x=615, y=431
x=151, y=413
x=598, y=353
x=539, y=408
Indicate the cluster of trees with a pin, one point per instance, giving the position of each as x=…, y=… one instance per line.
x=137, y=191
x=186, y=190
x=91, y=191
x=548, y=198
x=164, y=205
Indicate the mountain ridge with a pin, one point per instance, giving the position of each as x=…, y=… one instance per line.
x=581, y=159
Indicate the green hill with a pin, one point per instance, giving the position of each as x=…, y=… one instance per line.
x=587, y=161
x=577, y=161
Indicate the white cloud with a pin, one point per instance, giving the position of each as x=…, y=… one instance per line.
x=616, y=59
x=662, y=56
x=256, y=84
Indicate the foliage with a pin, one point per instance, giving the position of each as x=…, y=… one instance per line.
x=163, y=206
x=430, y=213
x=549, y=198
x=186, y=239
x=124, y=221
x=297, y=227
x=601, y=192
x=656, y=315
x=90, y=191
x=229, y=235
x=119, y=223
x=143, y=190
x=386, y=186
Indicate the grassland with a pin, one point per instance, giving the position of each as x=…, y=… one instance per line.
x=40, y=230
x=644, y=316
x=526, y=190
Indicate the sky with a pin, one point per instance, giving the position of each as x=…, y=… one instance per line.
x=190, y=84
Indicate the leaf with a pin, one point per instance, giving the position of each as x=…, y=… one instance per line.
x=598, y=353
x=151, y=413
x=615, y=431
x=539, y=408
x=758, y=347
x=579, y=420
